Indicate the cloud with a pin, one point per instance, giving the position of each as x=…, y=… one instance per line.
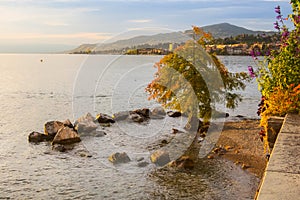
x=140, y=20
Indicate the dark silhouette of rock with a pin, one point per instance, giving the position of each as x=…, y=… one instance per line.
x=136, y=118
x=145, y=112
x=119, y=116
x=160, y=158
x=104, y=118
x=118, y=158
x=66, y=135
x=139, y=115
x=174, y=113
x=37, y=137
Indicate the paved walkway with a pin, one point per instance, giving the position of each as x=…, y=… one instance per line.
x=282, y=176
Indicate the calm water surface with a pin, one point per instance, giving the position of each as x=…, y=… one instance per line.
x=38, y=88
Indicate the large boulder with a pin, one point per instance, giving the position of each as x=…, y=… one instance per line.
x=66, y=135
x=119, y=116
x=157, y=113
x=37, y=137
x=160, y=158
x=51, y=128
x=104, y=118
x=118, y=158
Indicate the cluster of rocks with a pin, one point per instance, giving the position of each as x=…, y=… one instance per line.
x=63, y=135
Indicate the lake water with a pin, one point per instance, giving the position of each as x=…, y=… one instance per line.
x=39, y=88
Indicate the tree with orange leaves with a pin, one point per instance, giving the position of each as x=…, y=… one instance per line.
x=192, y=81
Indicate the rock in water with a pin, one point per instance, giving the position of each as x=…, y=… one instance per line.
x=136, y=118
x=86, y=117
x=104, y=118
x=66, y=135
x=158, y=113
x=142, y=164
x=51, y=128
x=174, y=113
x=119, y=116
x=86, y=124
x=85, y=127
x=37, y=137
x=145, y=112
x=160, y=158
x=68, y=123
x=118, y=158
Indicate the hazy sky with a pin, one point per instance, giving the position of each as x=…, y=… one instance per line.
x=44, y=25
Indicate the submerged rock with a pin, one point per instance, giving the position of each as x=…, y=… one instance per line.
x=66, y=135
x=104, y=118
x=142, y=164
x=37, y=137
x=118, y=158
x=160, y=158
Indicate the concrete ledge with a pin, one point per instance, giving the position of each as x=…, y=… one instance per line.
x=282, y=176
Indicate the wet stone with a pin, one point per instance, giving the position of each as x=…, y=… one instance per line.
x=118, y=158
x=142, y=164
x=104, y=118
x=160, y=158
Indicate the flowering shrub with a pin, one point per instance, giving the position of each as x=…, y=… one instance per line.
x=278, y=74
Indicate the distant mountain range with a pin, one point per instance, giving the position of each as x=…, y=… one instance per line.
x=222, y=30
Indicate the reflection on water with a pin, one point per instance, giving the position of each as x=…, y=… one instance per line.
x=33, y=92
